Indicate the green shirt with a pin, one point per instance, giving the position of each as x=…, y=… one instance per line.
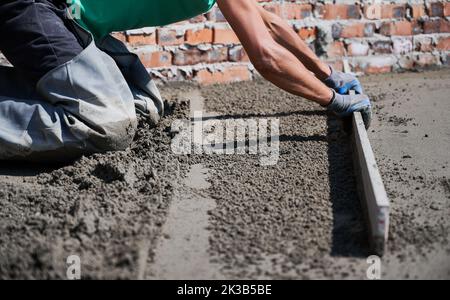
x=102, y=17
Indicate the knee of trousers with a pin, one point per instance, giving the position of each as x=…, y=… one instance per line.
x=96, y=98
x=114, y=136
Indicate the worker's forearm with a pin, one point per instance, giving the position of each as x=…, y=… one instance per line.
x=284, y=70
x=273, y=61
x=283, y=34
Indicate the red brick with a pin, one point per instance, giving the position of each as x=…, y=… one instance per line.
x=436, y=9
x=294, y=11
x=385, y=11
x=417, y=11
x=141, y=39
x=351, y=31
x=156, y=59
x=341, y=11
x=375, y=65
x=443, y=44
x=199, y=36
x=230, y=74
x=394, y=11
x=397, y=28
x=378, y=69
x=436, y=26
x=349, y=37
x=447, y=9
x=169, y=37
x=225, y=36
x=196, y=56
x=307, y=33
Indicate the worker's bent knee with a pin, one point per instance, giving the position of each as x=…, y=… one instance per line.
x=95, y=98
x=115, y=136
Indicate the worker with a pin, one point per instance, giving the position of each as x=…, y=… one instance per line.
x=75, y=90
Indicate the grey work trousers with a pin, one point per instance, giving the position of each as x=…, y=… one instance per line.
x=85, y=105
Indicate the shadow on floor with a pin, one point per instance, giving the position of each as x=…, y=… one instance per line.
x=350, y=237
x=267, y=115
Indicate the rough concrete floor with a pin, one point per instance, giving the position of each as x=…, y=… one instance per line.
x=149, y=213
x=411, y=139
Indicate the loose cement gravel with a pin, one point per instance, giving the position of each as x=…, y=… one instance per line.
x=125, y=214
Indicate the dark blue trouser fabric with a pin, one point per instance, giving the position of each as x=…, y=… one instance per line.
x=35, y=35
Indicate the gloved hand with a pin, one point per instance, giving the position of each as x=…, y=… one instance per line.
x=344, y=105
x=343, y=82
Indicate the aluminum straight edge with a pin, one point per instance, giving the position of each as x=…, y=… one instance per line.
x=372, y=192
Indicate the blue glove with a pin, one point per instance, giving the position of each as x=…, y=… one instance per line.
x=343, y=83
x=344, y=105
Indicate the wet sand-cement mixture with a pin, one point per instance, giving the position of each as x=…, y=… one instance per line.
x=150, y=213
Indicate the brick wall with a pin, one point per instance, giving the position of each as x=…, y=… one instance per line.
x=374, y=36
